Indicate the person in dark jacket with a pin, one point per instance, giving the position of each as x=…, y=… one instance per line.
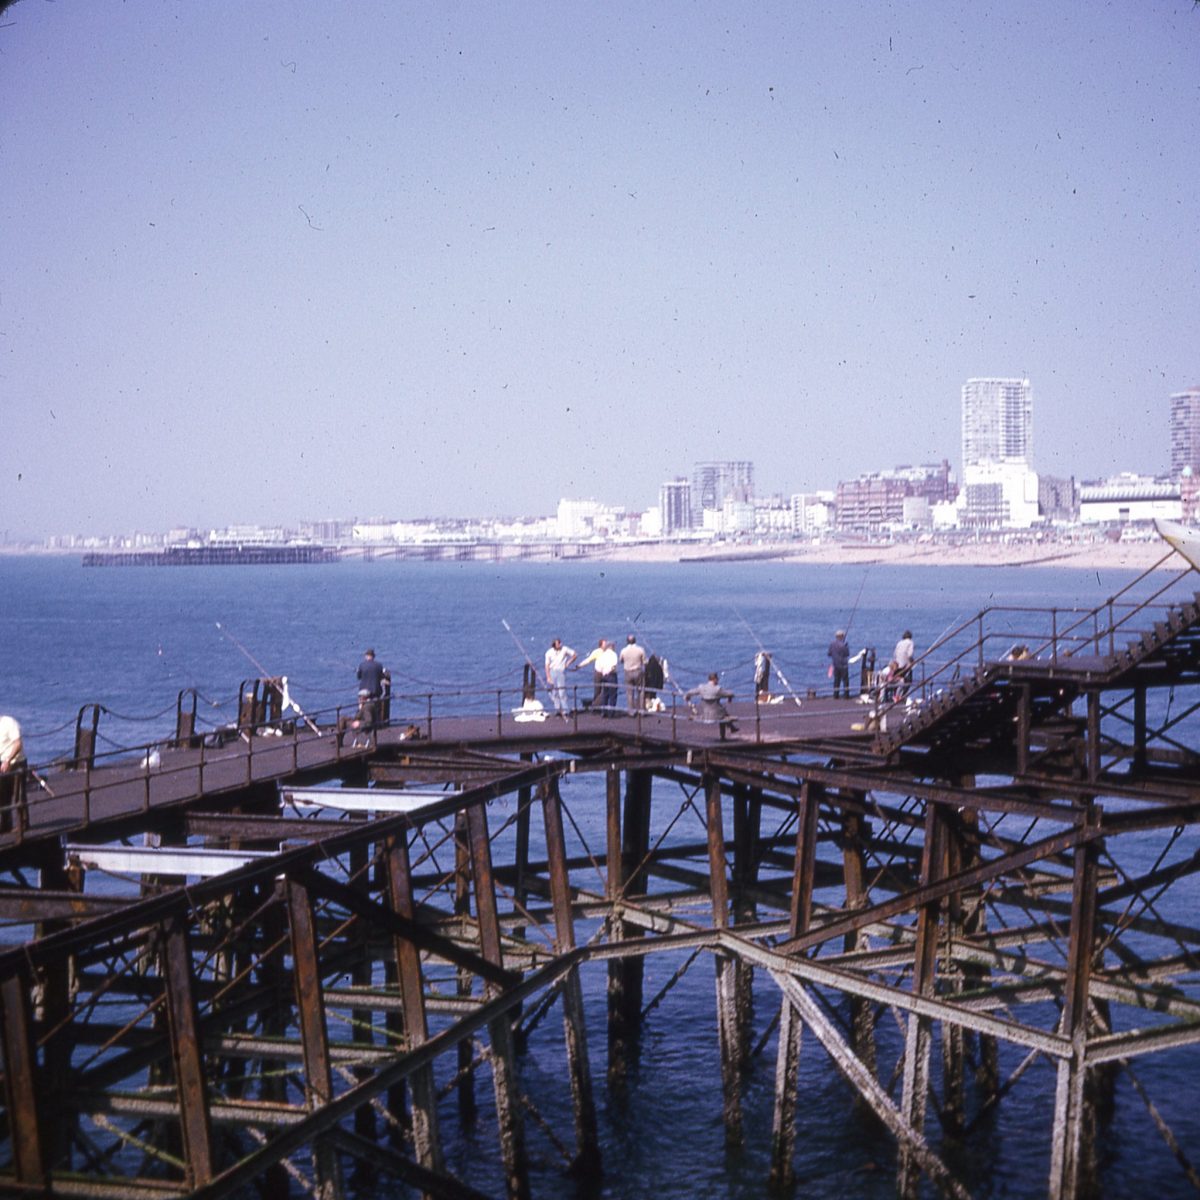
x=839, y=663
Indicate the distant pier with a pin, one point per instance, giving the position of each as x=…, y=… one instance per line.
x=214, y=556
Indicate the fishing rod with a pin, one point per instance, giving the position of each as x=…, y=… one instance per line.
x=854, y=610
x=286, y=700
x=667, y=676
x=521, y=647
x=764, y=650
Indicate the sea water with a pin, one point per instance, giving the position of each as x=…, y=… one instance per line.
x=131, y=640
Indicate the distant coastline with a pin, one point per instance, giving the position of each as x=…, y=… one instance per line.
x=1095, y=555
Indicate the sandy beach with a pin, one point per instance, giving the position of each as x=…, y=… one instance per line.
x=1099, y=555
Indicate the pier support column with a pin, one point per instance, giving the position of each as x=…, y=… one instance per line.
x=919, y=1029
x=787, y=1064
x=52, y=1008
x=504, y=1058
x=587, y=1143
x=855, y=830
x=195, y=1124
x=362, y=974
x=412, y=995
x=462, y=909
x=728, y=1026
x=1073, y=1148
x=627, y=845
x=272, y=978
x=747, y=827
x=21, y=1082
x=314, y=1035
x=953, y=1109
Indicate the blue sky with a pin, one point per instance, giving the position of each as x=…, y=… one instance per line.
x=280, y=260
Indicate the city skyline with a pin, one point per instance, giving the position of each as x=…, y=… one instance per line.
x=273, y=259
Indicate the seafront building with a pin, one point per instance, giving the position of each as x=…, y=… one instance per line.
x=1185, y=432
x=675, y=505
x=1129, y=498
x=1000, y=488
x=713, y=483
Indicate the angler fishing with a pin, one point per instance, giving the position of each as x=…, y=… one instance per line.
x=286, y=700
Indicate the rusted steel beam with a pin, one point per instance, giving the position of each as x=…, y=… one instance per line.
x=918, y=1033
x=399, y=925
x=790, y=776
x=464, y=978
x=412, y=992
x=21, y=1082
x=936, y=890
x=855, y=831
x=728, y=1031
x=186, y=1054
x=27, y=905
x=430, y=1182
x=587, y=1142
x=504, y=1059
x=1071, y=1150
x=305, y=1130
x=314, y=1035
x=912, y=1140
x=787, y=1062
x=628, y=834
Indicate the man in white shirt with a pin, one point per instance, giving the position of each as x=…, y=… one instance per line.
x=903, y=657
x=558, y=659
x=604, y=660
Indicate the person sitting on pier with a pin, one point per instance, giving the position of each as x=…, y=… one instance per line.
x=712, y=709
x=372, y=680
x=12, y=771
x=532, y=709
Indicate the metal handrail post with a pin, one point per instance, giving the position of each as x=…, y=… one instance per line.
x=429, y=715
x=499, y=718
x=980, y=639
x=1112, y=632
x=757, y=718
x=1054, y=635
x=674, y=715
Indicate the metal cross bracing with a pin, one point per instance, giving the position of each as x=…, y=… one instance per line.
x=965, y=925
